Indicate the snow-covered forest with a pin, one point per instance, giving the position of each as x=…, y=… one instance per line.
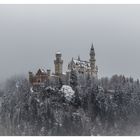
x=85, y=107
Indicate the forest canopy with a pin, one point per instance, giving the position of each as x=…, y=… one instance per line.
x=86, y=107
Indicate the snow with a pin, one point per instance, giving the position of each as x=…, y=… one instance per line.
x=58, y=52
x=43, y=71
x=50, y=88
x=101, y=89
x=68, y=92
x=82, y=63
x=31, y=89
x=68, y=71
x=17, y=85
x=111, y=91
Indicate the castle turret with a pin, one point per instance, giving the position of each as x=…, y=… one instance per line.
x=58, y=64
x=92, y=58
x=92, y=61
x=78, y=57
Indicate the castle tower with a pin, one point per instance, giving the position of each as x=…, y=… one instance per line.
x=58, y=64
x=92, y=61
x=92, y=58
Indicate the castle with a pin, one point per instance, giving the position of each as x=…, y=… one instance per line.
x=85, y=67
x=81, y=67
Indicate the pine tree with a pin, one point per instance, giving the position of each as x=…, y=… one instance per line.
x=60, y=83
x=73, y=79
x=77, y=101
x=88, y=81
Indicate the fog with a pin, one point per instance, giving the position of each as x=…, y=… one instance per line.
x=30, y=35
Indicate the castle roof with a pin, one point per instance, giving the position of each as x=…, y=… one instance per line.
x=41, y=71
x=81, y=63
x=92, y=47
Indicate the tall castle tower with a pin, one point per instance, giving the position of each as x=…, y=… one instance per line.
x=92, y=60
x=58, y=64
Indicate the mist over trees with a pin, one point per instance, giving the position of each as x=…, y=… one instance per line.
x=106, y=106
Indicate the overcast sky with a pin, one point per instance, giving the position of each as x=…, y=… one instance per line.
x=31, y=34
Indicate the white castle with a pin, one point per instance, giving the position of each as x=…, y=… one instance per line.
x=83, y=67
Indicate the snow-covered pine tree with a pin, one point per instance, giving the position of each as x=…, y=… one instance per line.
x=73, y=79
x=60, y=83
x=77, y=100
x=88, y=81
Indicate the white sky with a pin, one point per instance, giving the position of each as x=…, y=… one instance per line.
x=31, y=34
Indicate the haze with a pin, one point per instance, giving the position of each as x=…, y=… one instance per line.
x=31, y=34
